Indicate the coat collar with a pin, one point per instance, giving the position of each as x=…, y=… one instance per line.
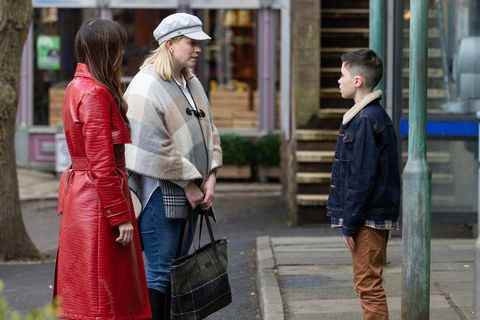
x=353, y=111
x=82, y=71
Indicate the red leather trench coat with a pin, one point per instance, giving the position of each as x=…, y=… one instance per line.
x=96, y=277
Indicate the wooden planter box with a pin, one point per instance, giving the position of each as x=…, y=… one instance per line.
x=234, y=172
x=266, y=173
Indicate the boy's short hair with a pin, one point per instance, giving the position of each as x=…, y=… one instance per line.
x=366, y=63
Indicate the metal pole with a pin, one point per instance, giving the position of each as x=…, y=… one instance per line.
x=416, y=198
x=25, y=101
x=393, y=63
x=476, y=289
x=184, y=6
x=266, y=69
x=287, y=113
x=377, y=31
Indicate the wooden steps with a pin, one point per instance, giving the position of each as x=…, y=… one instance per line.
x=433, y=157
x=325, y=177
x=432, y=52
x=312, y=199
x=339, y=50
x=433, y=33
x=432, y=72
x=314, y=177
x=435, y=73
x=345, y=12
x=315, y=156
x=234, y=109
x=330, y=92
x=344, y=30
x=442, y=178
x=317, y=135
x=331, y=113
x=431, y=93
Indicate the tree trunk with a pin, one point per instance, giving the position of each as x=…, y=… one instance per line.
x=15, y=16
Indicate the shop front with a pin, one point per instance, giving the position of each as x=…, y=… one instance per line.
x=452, y=106
x=240, y=66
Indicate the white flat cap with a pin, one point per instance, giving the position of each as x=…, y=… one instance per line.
x=180, y=24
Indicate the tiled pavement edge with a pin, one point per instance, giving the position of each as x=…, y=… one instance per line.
x=311, y=276
x=271, y=304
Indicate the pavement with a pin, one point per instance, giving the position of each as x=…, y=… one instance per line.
x=38, y=185
x=244, y=212
x=277, y=272
x=307, y=278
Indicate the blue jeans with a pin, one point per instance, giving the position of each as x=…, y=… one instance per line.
x=161, y=240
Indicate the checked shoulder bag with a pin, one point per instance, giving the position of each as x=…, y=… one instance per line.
x=199, y=281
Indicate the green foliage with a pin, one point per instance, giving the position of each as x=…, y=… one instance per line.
x=267, y=149
x=48, y=312
x=237, y=150
x=241, y=151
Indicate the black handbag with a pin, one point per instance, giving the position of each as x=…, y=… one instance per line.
x=199, y=281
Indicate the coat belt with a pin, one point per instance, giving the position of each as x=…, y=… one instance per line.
x=81, y=163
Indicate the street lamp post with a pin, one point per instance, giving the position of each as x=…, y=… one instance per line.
x=476, y=290
x=377, y=31
x=416, y=198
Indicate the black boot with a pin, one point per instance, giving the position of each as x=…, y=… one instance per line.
x=157, y=303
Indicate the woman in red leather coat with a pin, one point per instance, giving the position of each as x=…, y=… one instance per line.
x=99, y=271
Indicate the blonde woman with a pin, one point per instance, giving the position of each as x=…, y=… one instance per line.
x=175, y=149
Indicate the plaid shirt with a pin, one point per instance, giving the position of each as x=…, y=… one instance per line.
x=384, y=225
x=173, y=195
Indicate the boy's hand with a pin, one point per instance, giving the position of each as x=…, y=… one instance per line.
x=349, y=242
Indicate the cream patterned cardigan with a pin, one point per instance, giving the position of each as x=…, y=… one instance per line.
x=167, y=142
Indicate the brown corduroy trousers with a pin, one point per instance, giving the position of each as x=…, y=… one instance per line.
x=368, y=259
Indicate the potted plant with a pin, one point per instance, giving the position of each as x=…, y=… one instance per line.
x=237, y=152
x=267, y=156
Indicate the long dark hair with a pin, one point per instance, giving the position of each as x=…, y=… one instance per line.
x=99, y=44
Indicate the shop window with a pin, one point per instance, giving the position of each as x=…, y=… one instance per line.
x=227, y=68
x=453, y=98
x=231, y=57
x=453, y=70
x=453, y=164
x=139, y=25
x=54, y=61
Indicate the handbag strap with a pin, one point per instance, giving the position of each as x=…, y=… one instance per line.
x=204, y=215
x=182, y=235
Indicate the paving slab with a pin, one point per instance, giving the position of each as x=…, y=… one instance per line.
x=314, y=276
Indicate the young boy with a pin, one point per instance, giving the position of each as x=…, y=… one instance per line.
x=365, y=191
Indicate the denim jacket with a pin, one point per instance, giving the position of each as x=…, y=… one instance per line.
x=365, y=173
